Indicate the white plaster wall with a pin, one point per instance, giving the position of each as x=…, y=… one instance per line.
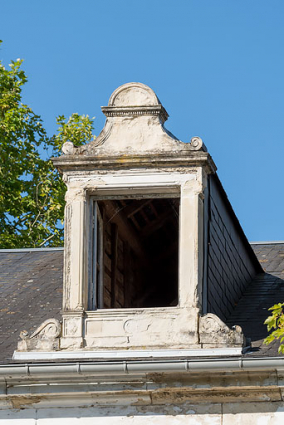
x=262, y=413
x=156, y=415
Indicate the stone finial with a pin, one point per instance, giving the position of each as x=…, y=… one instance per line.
x=68, y=148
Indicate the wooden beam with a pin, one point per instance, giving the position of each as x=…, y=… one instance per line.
x=126, y=274
x=153, y=209
x=136, y=206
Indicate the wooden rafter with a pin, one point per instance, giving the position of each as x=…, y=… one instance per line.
x=136, y=206
x=156, y=224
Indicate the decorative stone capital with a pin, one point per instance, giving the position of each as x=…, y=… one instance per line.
x=45, y=338
x=215, y=333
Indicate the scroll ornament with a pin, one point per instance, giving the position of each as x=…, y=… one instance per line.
x=45, y=337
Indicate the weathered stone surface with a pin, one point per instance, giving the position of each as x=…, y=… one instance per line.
x=45, y=338
x=148, y=328
x=214, y=333
x=131, y=415
x=134, y=125
x=134, y=129
x=124, y=161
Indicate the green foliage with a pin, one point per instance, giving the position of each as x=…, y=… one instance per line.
x=77, y=129
x=31, y=191
x=276, y=321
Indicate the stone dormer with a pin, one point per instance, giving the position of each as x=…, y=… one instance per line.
x=155, y=258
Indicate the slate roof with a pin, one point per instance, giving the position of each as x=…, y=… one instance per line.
x=31, y=292
x=263, y=292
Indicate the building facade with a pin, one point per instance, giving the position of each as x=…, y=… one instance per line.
x=156, y=272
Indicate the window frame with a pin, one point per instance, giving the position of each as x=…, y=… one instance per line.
x=97, y=288
x=95, y=281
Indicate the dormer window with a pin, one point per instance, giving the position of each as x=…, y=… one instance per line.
x=134, y=253
x=134, y=227
x=141, y=210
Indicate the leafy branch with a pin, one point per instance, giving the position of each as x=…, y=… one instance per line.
x=31, y=191
x=276, y=321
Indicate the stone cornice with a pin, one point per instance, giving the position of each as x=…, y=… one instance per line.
x=181, y=159
x=134, y=111
x=167, y=384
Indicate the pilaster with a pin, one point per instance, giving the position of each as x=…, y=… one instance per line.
x=191, y=243
x=76, y=248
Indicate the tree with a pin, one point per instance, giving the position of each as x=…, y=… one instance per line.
x=276, y=321
x=31, y=190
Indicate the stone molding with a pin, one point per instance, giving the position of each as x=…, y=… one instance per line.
x=213, y=333
x=114, y=111
x=68, y=148
x=182, y=162
x=162, y=390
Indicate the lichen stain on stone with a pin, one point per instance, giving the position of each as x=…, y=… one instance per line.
x=22, y=402
x=138, y=402
x=158, y=378
x=165, y=409
x=167, y=396
x=122, y=159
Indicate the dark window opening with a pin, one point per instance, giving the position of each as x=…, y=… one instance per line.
x=134, y=253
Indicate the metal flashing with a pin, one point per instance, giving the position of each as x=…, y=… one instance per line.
x=126, y=354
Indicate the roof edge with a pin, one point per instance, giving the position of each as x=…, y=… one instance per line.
x=247, y=244
x=32, y=249
x=139, y=366
x=267, y=243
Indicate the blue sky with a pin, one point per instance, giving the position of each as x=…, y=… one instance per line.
x=216, y=65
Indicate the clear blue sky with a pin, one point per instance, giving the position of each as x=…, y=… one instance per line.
x=216, y=65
